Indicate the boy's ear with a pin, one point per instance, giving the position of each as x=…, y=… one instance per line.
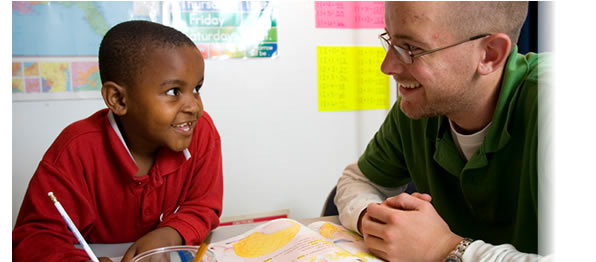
x=114, y=96
x=496, y=50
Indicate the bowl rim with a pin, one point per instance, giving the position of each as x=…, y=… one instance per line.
x=168, y=249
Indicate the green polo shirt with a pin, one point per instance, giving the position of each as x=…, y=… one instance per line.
x=493, y=196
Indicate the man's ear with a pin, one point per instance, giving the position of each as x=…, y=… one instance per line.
x=496, y=50
x=114, y=96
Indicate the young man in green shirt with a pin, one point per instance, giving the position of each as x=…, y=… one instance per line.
x=464, y=130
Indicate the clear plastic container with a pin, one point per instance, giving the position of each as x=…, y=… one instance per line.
x=173, y=254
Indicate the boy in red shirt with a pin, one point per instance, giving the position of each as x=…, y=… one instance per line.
x=147, y=169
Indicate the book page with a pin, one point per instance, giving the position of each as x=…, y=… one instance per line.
x=279, y=240
x=348, y=240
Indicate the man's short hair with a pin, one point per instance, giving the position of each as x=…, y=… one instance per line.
x=480, y=17
x=125, y=47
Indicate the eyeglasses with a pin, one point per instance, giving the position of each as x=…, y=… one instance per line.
x=407, y=57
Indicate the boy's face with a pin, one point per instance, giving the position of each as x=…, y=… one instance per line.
x=164, y=105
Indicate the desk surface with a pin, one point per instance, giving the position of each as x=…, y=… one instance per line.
x=220, y=233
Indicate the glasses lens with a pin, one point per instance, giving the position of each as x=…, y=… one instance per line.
x=402, y=54
x=384, y=43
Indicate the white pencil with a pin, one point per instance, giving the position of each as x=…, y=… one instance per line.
x=72, y=227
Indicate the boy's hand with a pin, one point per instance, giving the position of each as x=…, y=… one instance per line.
x=161, y=237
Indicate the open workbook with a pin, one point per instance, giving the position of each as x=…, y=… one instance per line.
x=283, y=240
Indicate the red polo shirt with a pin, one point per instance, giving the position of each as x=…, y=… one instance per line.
x=91, y=172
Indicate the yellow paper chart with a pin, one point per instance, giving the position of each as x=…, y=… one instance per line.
x=350, y=78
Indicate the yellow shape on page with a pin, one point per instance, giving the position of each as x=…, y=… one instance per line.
x=327, y=230
x=259, y=244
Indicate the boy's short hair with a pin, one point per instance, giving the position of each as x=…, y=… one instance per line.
x=126, y=46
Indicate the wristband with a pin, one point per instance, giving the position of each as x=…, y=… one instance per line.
x=458, y=252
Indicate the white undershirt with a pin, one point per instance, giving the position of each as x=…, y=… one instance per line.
x=467, y=145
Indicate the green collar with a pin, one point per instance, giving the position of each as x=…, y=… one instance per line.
x=516, y=70
x=446, y=153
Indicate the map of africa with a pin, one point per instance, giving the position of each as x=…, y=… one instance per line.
x=55, y=28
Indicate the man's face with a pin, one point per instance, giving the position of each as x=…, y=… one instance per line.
x=165, y=104
x=439, y=83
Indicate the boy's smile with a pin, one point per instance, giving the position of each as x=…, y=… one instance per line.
x=164, y=105
x=184, y=127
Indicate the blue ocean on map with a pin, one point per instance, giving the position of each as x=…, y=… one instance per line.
x=68, y=28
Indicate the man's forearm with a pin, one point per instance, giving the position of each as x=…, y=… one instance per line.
x=355, y=192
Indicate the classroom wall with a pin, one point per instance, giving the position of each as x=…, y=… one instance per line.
x=279, y=152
